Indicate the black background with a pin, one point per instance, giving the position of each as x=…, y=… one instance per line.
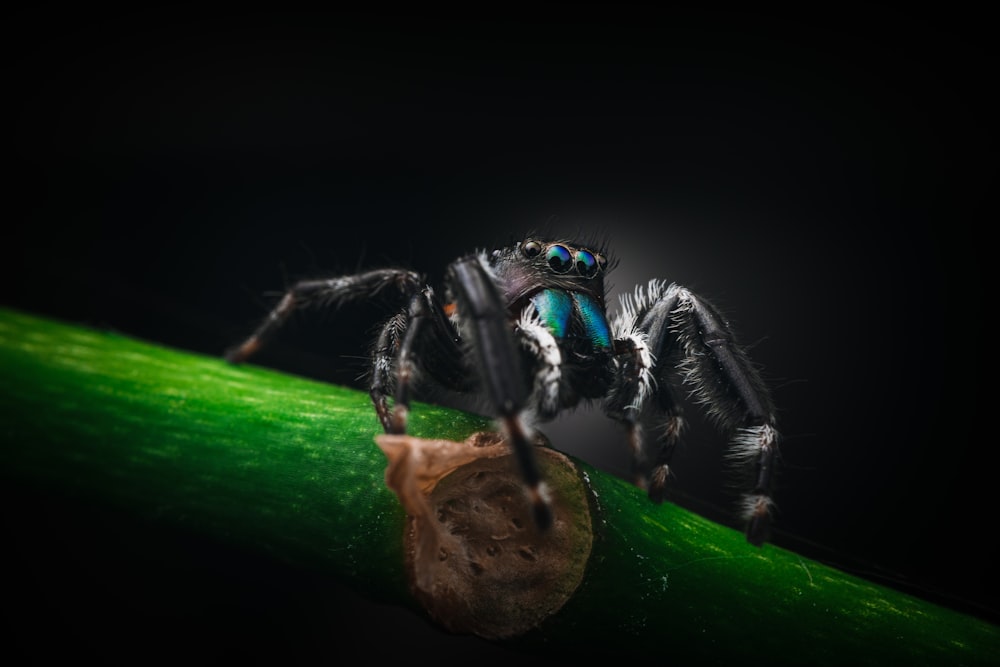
x=818, y=177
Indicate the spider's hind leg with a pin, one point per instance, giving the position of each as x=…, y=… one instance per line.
x=728, y=384
x=670, y=324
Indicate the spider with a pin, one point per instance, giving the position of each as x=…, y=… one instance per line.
x=525, y=329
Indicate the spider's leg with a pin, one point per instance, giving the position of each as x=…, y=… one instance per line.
x=640, y=342
x=668, y=435
x=406, y=367
x=422, y=323
x=383, y=355
x=485, y=325
x=331, y=292
x=726, y=381
x=627, y=399
x=670, y=321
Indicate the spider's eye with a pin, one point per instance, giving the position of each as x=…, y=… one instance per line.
x=531, y=248
x=602, y=262
x=586, y=264
x=558, y=258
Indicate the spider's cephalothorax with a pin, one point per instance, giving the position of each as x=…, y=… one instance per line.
x=526, y=328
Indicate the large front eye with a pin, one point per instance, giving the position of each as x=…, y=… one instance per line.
x=558, y=258
x=586, y=264
x=531, y=248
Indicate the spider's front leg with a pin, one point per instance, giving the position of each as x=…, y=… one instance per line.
x=330, y=292
x=485, y=325
x=641, y=347
x=422, y=325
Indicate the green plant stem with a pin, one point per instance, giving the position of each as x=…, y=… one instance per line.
x=288, y=468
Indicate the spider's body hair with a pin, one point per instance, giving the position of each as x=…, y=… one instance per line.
x=748, y=441
x=701, y=370
x=339, y=290
x=756, y=507
x=751, y=455
x=700, y=347
x=639, y=301
x=642, y=359
x=541, y=344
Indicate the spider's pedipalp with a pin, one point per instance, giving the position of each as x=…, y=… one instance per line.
x=542, y=345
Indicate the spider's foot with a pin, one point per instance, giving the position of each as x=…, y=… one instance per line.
x=382, y=410
x=759, y=530
x=541, y=505
x=758, y=515
x=240, y=353
x=658, y=483
x=398, y=419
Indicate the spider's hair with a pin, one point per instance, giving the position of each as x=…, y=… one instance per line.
x=747, y=443
x=710, y=387
x=745, y=450
x=625, y=327
x=756, y=505
x=631, y=305
x=542, y=345
x=700, y=371
x=697, y=366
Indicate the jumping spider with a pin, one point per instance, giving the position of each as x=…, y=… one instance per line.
x=526, y=328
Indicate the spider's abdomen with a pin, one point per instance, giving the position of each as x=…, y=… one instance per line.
x=560, y=310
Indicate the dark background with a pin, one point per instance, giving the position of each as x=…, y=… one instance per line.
x=818, y=177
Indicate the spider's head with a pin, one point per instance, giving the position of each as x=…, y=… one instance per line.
x=535, y=264
x=562, y=259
